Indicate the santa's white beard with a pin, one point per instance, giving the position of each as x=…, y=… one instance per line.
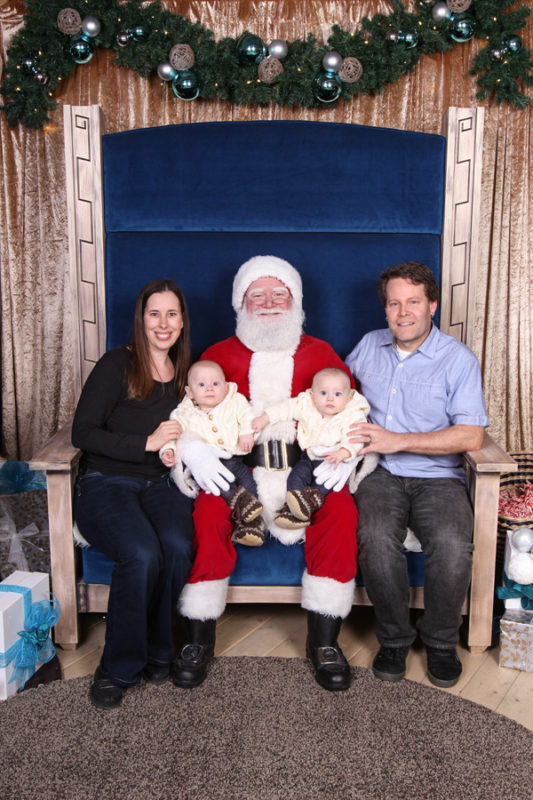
x=270, y=329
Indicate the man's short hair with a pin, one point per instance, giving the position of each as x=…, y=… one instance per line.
x=412, y=271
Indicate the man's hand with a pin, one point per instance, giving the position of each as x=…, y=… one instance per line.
x=203, y=461
x=374, y=438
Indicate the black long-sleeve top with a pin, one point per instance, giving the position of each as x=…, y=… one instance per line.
x=112, y=428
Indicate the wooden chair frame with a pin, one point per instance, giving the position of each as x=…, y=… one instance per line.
x=84, y=126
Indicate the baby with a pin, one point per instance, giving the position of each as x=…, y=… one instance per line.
x=216, y=411
x=324, y=414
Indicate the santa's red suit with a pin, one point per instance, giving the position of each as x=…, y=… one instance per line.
x=330, y=543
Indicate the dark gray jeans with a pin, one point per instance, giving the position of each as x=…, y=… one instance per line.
x=438, y=511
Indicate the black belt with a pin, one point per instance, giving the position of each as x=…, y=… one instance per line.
x=274, y=455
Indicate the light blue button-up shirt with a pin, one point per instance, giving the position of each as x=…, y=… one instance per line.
x=436, y=386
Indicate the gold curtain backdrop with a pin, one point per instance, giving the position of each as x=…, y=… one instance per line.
x=36, y=356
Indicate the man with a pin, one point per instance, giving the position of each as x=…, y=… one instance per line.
x=270, y=359
x=426, y=407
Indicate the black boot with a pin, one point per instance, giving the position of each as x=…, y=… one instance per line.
x=332, y=671
x=189, y=668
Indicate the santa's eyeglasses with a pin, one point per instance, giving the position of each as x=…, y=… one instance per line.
x=259, y=297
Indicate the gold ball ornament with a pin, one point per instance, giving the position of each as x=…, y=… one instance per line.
x=181, y=57
x=458, y=6
x=269, y=69
x=350, y=70
x=69, y=21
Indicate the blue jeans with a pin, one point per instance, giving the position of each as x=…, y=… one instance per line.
x=438, y=512
x=146, y=529
x=301, y=475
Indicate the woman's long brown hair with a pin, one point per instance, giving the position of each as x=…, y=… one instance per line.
x=140, y=382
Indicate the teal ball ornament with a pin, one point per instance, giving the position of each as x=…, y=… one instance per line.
x=327, y=87
x=80, y=49
x=251, y=49
x=30, y=66
x=462, y=28
x=513, y=44
x=409, y=39
x=140, y=33
x=185, y=85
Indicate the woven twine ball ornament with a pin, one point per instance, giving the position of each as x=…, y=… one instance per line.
x=181, y=57
x=69, y=21
x=269, y=69
x=350, y=70
x=458, y=6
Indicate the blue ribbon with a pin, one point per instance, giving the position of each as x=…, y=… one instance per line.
x=34, y=643
x=511, y=590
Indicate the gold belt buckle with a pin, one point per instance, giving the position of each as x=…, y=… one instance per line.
x=281, y=446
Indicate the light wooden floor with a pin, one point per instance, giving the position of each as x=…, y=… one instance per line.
x=280, y=630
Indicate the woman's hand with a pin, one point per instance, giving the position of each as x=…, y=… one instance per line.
x=167, y=430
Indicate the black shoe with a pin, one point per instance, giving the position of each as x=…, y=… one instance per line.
x=157, y=674
x=444, y=667
x=103, y=693
x=389, y=664
x=189, y=668
x=332, y=671
x=190, y=665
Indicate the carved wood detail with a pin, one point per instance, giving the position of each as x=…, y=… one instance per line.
x=84, y=126
x=463, y=129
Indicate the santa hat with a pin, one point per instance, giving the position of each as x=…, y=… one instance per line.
x=266, y=267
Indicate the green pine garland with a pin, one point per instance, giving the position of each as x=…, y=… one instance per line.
x=38, y=61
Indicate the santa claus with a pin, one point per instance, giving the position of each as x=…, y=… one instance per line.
x=270, y=359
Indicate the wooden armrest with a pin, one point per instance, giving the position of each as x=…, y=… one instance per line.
x=58, y=454
x=490, y=458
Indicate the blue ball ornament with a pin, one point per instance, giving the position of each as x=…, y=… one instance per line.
x=80, y=49
x=409, y=39
x=462, y=28
x=513, y=44
x=140, y=33
x=327, y=87
x=251, y=49
x=30, y=66
x=185, y=85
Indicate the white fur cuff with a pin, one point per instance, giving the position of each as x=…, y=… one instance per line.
x=327, y=596
x=203, y=600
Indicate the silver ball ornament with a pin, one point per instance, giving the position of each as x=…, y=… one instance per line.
x=278, y=49
x=522, y=539
x=332, y=61
x=91, y=26
x=166, y=71
x=440, y=12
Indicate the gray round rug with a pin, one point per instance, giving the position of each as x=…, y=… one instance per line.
x=261, y=728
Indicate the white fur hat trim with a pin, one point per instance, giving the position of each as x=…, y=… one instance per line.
x=266, y=267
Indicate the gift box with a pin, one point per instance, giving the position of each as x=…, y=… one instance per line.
x=26, y=617
x=516, y=640
x=24, y=539
x=514, y=595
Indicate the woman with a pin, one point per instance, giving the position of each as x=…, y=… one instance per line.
x=124, y=505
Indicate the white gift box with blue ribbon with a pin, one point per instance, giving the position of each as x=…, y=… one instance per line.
x=26, y=617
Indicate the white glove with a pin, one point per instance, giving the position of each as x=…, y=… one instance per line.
x=203, y=461
x=331, y=477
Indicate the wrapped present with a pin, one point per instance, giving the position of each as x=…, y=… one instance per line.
x=516, y=640
x=515, y=592
x=26, y=618
x=24, y=538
